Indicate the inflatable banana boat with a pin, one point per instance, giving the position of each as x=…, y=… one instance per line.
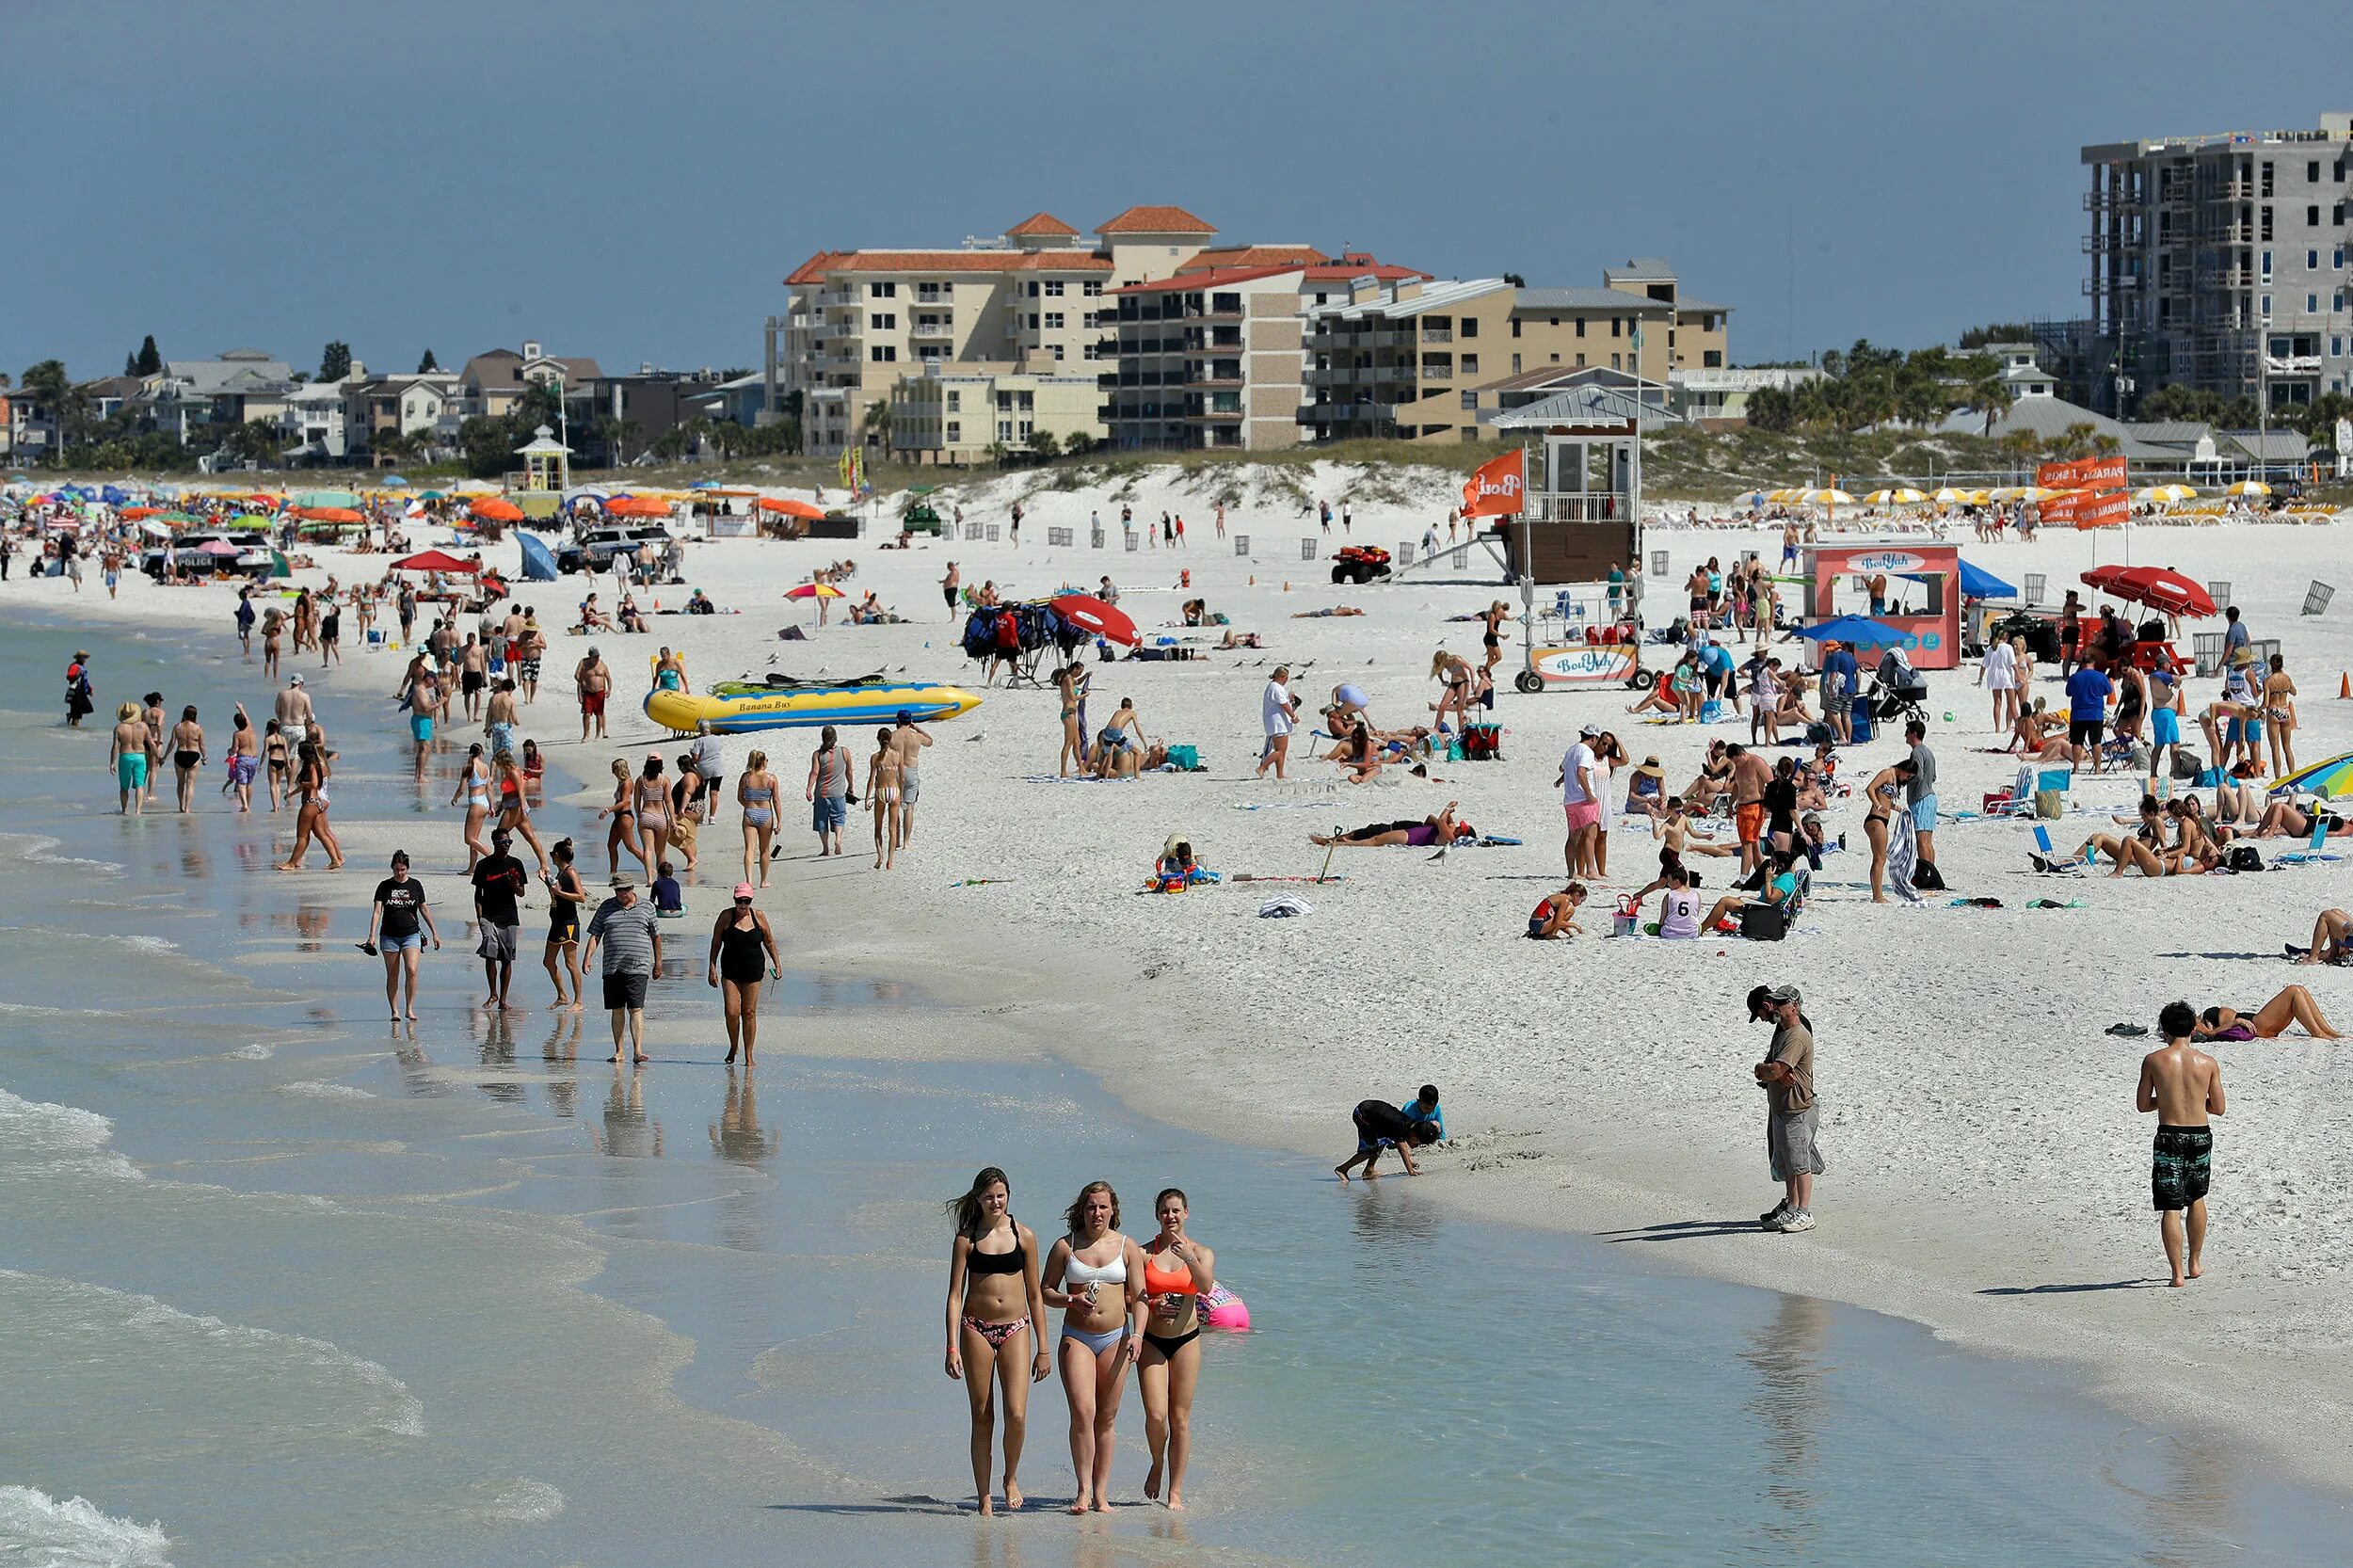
x=741, y=706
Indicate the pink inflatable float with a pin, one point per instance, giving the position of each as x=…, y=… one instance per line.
x=1222, y=1308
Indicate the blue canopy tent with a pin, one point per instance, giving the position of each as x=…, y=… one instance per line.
x=539, y=560
x=1862, y=631
x=1976, y=583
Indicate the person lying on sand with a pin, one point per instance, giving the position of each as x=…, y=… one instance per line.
x=2284, y=819
x=1439, y=830
x=2293, y=1005
x=1234, y=639
x=1319, y=615
x=1555, y=914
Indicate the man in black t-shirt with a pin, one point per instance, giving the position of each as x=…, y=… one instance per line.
x=400, y=919
x=1381, y=1126
x=498, y=884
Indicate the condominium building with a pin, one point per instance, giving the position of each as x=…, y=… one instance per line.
x=2218, y=262
x=1032, y=300
x=957, y=413
x=1409, y=361
x=1213, y=358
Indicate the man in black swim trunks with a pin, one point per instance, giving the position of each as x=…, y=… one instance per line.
x=1381, y=1126
x=2184, y=1086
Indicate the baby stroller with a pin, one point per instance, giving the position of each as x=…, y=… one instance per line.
x=1907, y=702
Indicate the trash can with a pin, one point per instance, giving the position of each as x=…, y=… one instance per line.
x=1862, y=719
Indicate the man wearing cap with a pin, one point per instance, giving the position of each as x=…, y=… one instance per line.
x=594, y=679
x=292, y=706
x=908, y=740
x=1786, y=1075
x=2088, y=693
x=1580, y=800
x=498, y=886
x=625, y=927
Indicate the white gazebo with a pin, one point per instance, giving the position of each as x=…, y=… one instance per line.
x=547, y=462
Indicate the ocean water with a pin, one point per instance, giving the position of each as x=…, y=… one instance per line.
x=286, y=1286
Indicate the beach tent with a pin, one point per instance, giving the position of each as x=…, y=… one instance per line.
x=539, y=560
x=436, y=560
x=791, y=508
x=1976, y=583
x=1862, y=631
x=637, y=506
x=327, y=498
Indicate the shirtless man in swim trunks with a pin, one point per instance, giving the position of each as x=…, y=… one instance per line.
x=2184, y=1086
x=127, y=756
x=474, y=674
x=595, y=681
x=292, y=707
x=1749, y=777
x=532, y=646
x=909, y=739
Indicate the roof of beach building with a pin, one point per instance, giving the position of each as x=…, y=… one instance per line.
x=1156, y=220
x=1040, y=223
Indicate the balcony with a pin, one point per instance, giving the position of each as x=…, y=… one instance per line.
x=933, y=329
x=1201, y=382
x=836, y=300
x=1437, y=334
x=1437, y=372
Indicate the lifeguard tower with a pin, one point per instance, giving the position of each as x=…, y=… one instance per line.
x=1584, y=506
x=547, y=463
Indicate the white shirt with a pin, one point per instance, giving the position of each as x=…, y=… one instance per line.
x=1579, y=760
x=2001, y=667
x=1275, y=708
x=1679, y=914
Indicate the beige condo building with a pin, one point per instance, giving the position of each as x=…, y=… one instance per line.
x=1410, y=361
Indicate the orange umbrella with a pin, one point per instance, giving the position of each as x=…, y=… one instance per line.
x=135, y=513
x=497, y=509
x=328, y=514
x=637, y=506
x=791, y=508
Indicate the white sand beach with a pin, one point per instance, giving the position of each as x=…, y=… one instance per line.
x=1988, y=1176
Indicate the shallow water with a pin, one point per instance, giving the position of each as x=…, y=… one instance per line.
x=295, y=1288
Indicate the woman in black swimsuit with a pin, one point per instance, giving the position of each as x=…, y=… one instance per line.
x=742, y=954
x=1491, y=640
x=994, y=1305
x=1880, y=793
x=565, y=897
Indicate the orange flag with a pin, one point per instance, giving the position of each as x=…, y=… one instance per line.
x=1499, y=488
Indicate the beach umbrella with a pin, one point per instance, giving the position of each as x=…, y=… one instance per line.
x=791, y=508
x=1104, y=620
x=2248, y=487
x=1826, y=498
x=436, y=560
x=2163, y=495
x=704, y=485
x=2161, y=589
x=1900, y=496
x=327, y=498
x=431, y=495
x=637, y=506
x=178, y=520
x=813, y=590
x=1861, y=631
x=2328, y=779
x=496, y=509
x=1977, y=583
x=219, y=547
x=328, y=514
x=132, y=514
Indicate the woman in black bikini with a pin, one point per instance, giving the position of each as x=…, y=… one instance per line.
x=994, y=1304
x=1881, y=794
x=1177, y=1272
x=743, y=953
x=1455, y=672
x=565, y=897
x=623, y=833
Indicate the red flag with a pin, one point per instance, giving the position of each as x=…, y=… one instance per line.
x=1499, y=488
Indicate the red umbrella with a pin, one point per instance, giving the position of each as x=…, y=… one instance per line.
x=1104, y=620
x=436, y=560
x=813, y=590
x=2164, y=590
x=791, y=508
x=2102, y=579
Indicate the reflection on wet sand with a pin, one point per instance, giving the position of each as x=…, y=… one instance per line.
x=736, y=1135
x=628, y=1133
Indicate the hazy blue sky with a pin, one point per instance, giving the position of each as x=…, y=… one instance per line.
x=632, y=181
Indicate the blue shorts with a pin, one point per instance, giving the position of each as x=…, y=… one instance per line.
x=2165, y=727
x=2250, y=729
x=420, y=727
x=1923, y=814
x=829, y=813
x=402, y=944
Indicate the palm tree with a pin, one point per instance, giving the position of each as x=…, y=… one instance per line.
x=1991, y=396
x=877, y=422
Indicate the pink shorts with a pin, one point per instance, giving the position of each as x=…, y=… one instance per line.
x=1583, y=813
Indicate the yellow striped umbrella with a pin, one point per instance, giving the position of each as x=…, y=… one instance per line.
x=1900, y=496
x=2248, y=487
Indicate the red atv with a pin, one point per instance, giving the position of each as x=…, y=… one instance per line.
x=1360, y=562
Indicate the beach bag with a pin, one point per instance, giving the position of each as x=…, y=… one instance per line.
x=1185, y=759
x=1925, y=877
x=2050, y=805
x=1626, y=920
x=684, y=827
x=1763, y=923
x=2245, y=858
x=1482, y=742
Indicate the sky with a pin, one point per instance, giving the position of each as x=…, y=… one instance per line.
x=633, y=182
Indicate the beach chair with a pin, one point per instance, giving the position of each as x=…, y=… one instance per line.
x=2047, y=858
x=2311, y=852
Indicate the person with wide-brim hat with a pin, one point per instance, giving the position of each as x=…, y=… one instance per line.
x=1646, y=788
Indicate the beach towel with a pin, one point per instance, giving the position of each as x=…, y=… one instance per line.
x=1283, y=907
x=1903, y=854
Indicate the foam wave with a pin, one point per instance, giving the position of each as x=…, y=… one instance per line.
x=255, y=1052
x=527, y=1502
x=320, y=1089
x=37, y=1528
x=143, y=1318
x=41, y=1138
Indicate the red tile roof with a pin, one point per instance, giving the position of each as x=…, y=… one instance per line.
x=1156, y=220
x=1214, y=278
x=1040, y=223
x=1255, y=255
x=825, y=262
x=1365, y=266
